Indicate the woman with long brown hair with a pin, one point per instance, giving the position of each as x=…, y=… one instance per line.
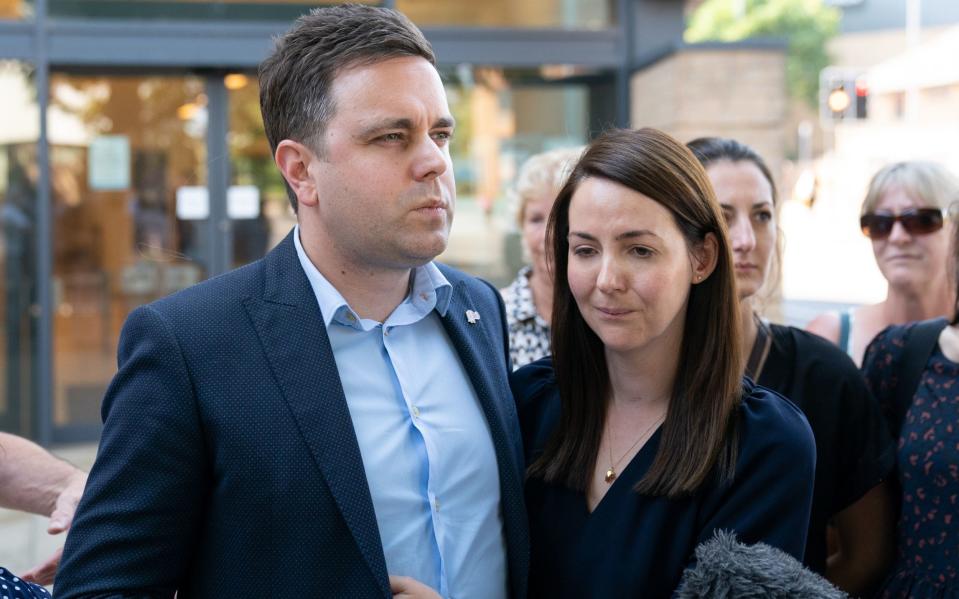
x=854, y=452
x=642, y=435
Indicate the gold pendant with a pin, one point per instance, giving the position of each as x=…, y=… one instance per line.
x=610, y=476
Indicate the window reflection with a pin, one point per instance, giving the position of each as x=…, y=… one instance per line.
x=19, y=131
x=15, y=9
x=503, y=116
x=566, y=14
x=128, y=175
x=262, y=10
x=260, y=213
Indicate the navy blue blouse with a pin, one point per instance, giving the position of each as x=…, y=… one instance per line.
x=637, y=545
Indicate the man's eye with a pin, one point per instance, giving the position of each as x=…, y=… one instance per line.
x=443, y=135
x=392, y=137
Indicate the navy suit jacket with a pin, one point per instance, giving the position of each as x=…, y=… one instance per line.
x=228, y=464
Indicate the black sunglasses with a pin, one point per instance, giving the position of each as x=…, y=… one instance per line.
x=921, y=221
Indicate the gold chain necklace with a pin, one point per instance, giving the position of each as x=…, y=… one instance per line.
x=611, y=473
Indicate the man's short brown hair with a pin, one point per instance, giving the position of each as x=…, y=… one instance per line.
x=297, y=77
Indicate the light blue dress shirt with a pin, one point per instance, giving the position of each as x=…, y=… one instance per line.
x=425, y=443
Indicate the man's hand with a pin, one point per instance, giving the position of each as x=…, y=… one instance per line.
x=60, y=521
x=405, y=587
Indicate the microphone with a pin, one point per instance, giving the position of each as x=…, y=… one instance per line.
x=727, y=569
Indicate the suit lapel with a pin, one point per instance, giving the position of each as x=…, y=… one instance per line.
x=477, y=352
x=290, y=326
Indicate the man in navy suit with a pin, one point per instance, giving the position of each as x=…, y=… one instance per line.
x=335, y=419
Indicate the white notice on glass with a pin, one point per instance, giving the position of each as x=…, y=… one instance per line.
x=192, y=202
x=108, y=165
x=243, y=201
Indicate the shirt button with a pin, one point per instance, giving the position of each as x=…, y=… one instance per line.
x=386, y=331
x=416, y=412
x=436, y=504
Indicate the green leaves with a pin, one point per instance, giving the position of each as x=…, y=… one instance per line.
x=806, y=25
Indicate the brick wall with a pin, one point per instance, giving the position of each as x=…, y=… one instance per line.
x=732, y=91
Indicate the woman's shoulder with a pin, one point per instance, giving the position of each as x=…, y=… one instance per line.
x=770, y=423
x=533, y=378
x=813, y=355
x=886, y=347
x=534, y=390
x=826, y=325
x=537, y=402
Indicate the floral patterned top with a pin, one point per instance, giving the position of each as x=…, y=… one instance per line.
x=528, y=331
x=927, y=562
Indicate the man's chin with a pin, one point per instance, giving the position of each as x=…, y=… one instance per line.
x=424, y=252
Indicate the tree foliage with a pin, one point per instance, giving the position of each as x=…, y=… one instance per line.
x=807, y=25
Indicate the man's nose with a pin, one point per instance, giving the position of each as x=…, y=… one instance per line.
x=430, y=160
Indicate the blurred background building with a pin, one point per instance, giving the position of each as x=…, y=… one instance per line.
x=133, y=161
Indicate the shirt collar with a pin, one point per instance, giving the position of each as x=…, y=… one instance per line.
x=430, y=290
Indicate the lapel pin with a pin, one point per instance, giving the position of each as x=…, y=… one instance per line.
x=472, y=316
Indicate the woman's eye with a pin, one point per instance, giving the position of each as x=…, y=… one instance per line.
x=583, y=251
x=764, y=216
x=642, y=252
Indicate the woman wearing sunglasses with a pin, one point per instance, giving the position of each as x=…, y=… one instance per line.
x=912, y=369
x=903, y=215
x=854, y=452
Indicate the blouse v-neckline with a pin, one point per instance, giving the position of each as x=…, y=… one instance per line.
x=633, y=472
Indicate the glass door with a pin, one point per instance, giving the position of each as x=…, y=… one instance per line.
x=128, y=178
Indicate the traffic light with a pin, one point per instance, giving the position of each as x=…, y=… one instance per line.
x=843, y=95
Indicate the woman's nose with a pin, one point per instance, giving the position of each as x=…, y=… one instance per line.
x=610, y=276
x=742, y=236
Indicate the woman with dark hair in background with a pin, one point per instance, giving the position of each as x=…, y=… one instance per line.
x=854, y=452
x=911, y=256
x=913, y=370
x=642, y=436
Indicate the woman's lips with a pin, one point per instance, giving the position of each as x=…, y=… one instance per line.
x=613, y=312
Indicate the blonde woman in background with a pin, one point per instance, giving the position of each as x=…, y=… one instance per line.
x=529, y=298
x=903, y=214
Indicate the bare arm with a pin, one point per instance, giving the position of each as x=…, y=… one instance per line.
x=826, y=325
x=32, y=480
x=866, y=530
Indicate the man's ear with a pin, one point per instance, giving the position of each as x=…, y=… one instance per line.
x=704, y=258
x=294, y=159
